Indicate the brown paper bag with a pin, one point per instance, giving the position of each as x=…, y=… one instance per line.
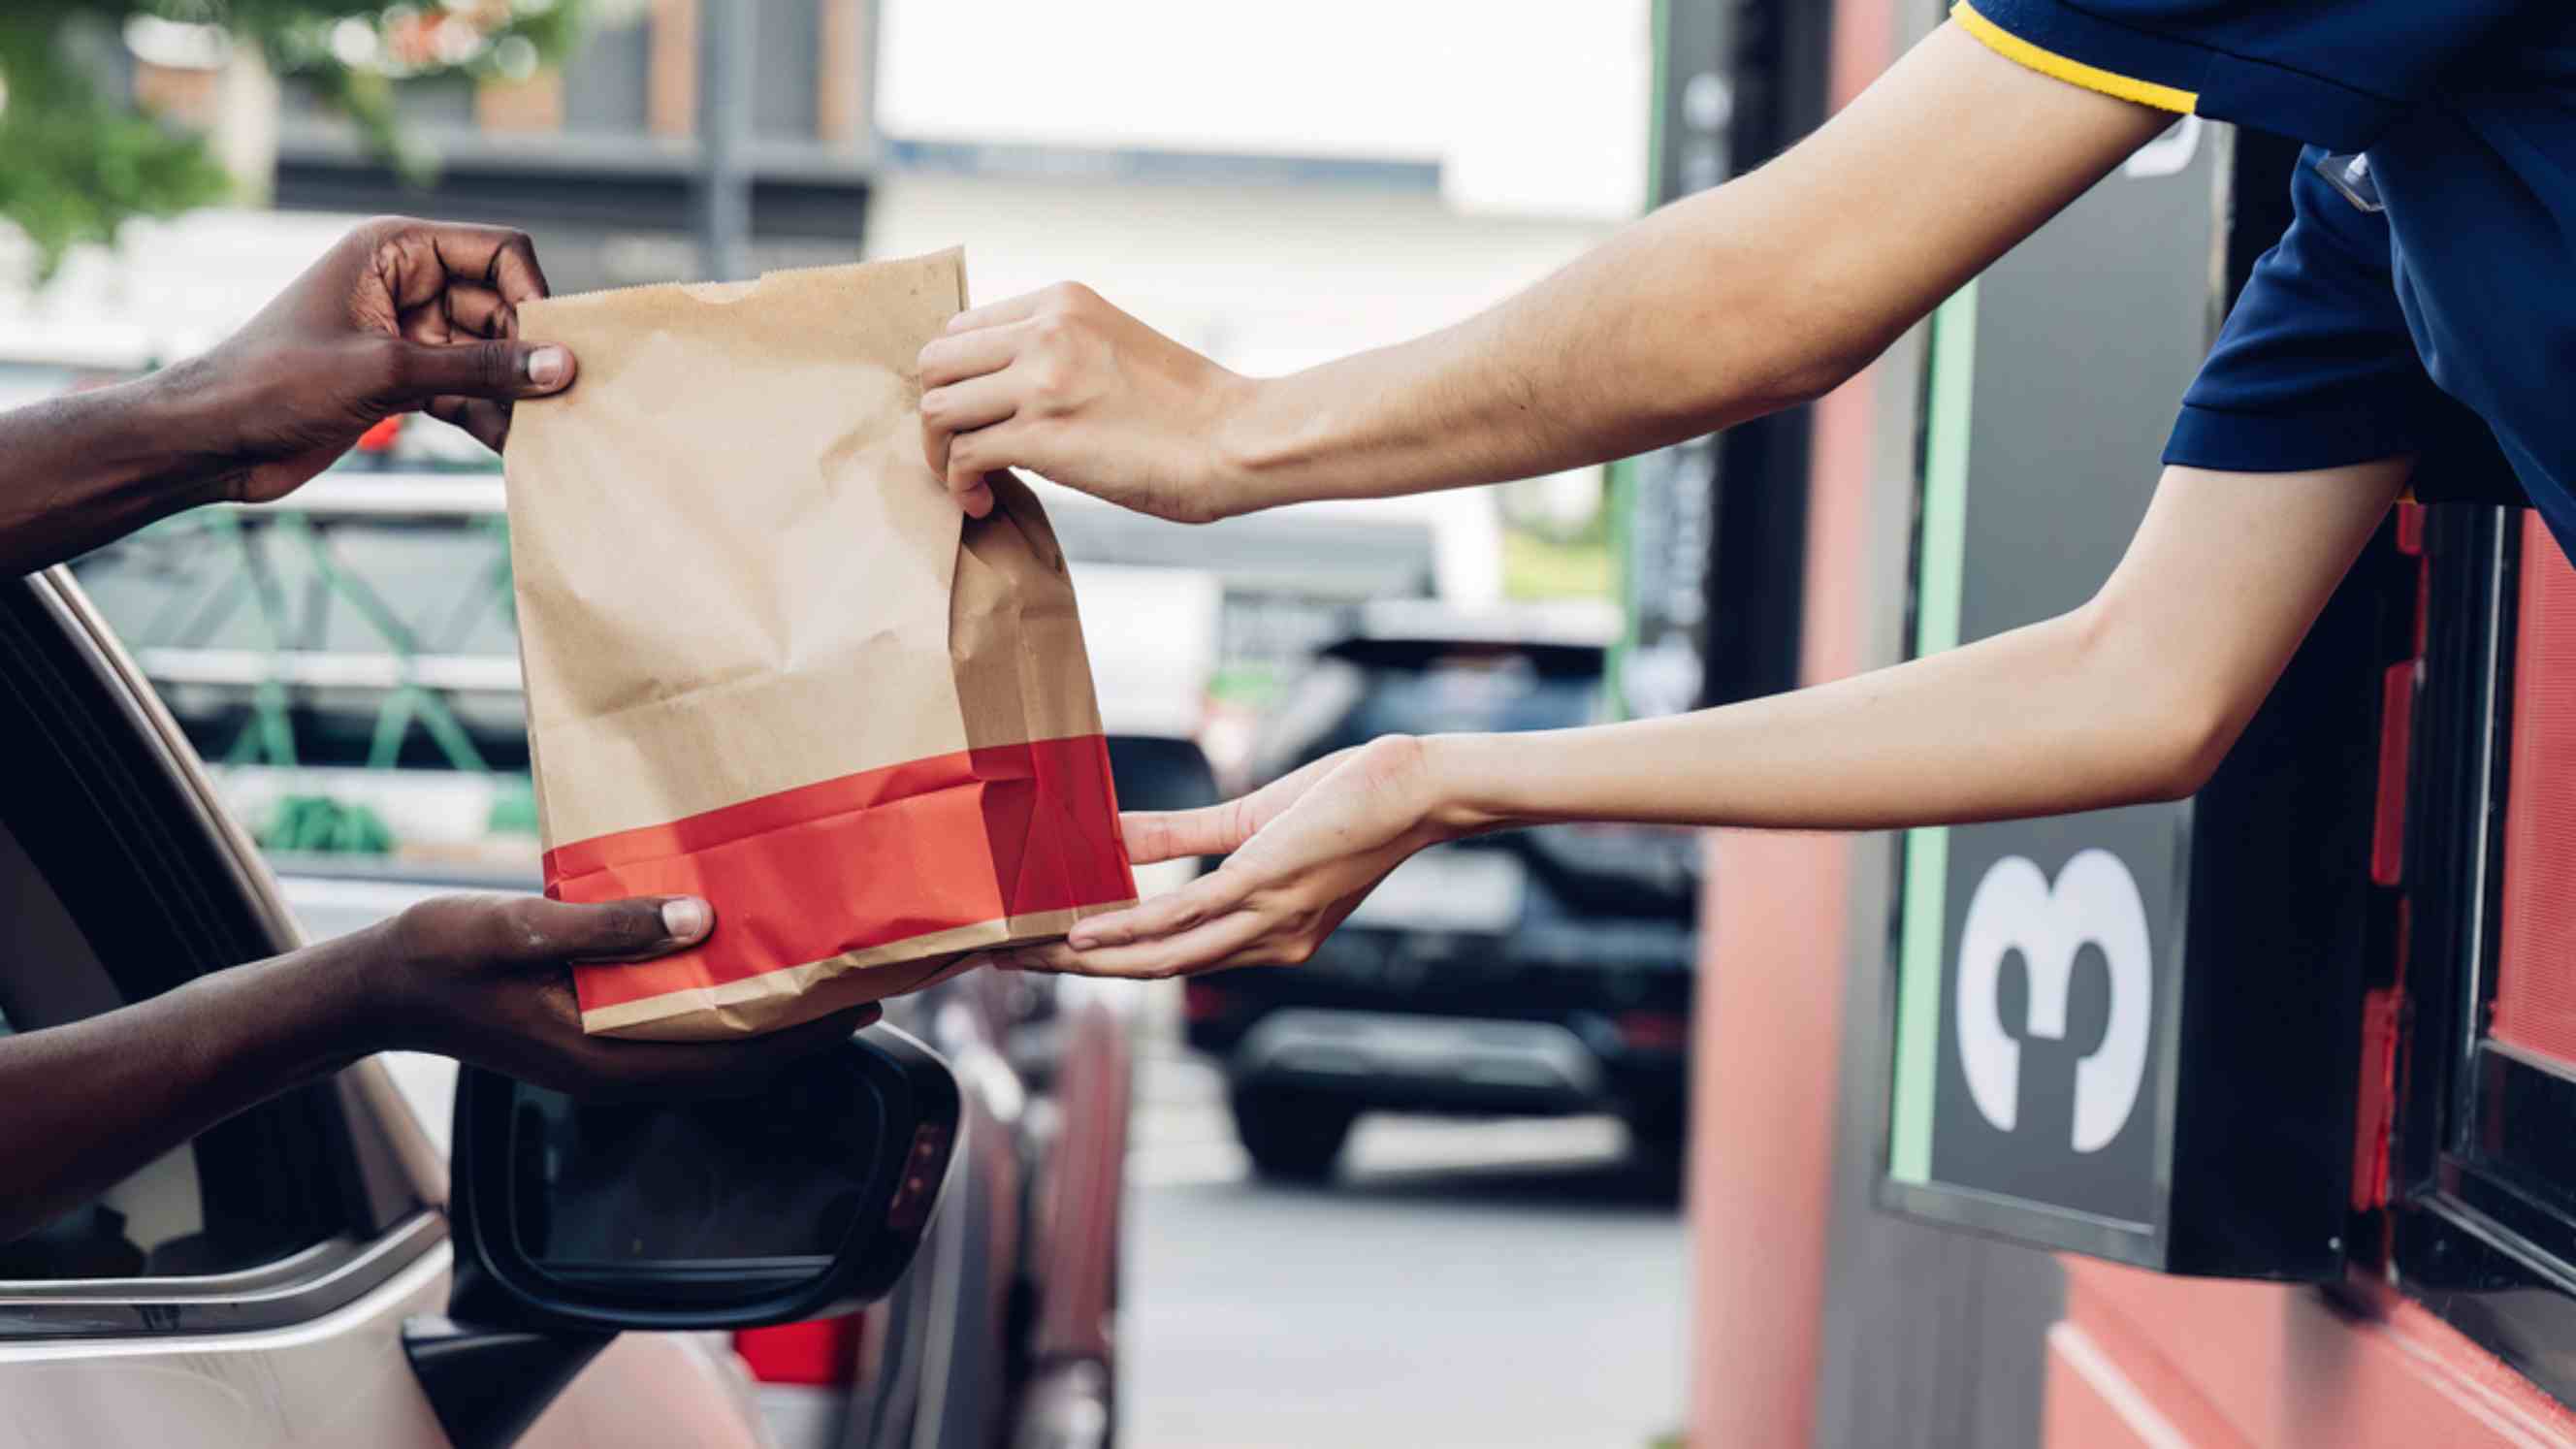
x=769, y=664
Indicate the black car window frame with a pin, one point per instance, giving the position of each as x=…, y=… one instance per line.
x=126, y=846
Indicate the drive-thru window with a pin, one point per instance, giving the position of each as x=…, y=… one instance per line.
x=2237, y=1120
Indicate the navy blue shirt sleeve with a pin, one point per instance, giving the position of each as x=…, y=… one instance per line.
x=2331, y=73
x=2316, y=368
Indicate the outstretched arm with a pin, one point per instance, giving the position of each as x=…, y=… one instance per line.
x=399, y=315
x=483, y=978
x=2135, y=696
x=1760, y=294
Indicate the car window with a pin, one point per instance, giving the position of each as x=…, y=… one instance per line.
x=155, y=1222
x=346, y=666
x=111, y=895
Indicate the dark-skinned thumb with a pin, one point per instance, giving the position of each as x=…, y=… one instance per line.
x=500, y=370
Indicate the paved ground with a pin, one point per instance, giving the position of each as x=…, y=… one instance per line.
x=1487, y=1284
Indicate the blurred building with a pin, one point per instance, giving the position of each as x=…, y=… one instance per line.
x=1274, y=188
x=601, y=157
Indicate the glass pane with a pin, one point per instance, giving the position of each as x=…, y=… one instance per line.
x=49, y=976
x=2535, y=1000
x=778, y=1175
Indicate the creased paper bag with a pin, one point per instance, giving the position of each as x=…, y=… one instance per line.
x=768, y=663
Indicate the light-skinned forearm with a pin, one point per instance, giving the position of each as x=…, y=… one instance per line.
x=1758, y=295
x=2010, y=726
x=2135, y=696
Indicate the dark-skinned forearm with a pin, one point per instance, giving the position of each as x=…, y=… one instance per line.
x=92, y=1101
x=79, y=471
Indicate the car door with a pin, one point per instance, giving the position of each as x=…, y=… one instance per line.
x=248, y=1288
x=251, y=1287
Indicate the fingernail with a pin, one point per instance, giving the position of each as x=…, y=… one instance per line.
x=1084, y=938
x=686, y=918
x=546, y=365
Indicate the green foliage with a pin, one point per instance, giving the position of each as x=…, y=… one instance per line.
x=77, y=159
x=321, y=824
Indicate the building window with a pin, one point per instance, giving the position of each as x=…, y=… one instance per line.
x=2485, y=1147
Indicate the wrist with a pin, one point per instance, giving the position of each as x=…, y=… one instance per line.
x=1255, y=451
x=346, y=996
x=191, y=424
x=1458, y=777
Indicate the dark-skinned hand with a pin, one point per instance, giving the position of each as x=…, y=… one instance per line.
x=402, y=315
x=488, y=980
x=484, y=978
x=399, y=316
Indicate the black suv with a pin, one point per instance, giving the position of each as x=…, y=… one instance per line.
x=1537, y=972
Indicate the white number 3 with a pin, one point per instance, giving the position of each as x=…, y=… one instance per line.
x=2095, y=902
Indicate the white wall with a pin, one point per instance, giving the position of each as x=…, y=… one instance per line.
x=1533, y=107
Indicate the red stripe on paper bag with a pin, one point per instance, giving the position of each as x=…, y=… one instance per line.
x=863, y=861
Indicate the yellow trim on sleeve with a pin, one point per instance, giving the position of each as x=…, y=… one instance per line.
x=2075, y=72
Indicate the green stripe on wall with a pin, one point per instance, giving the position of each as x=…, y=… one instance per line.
x=1927, y=852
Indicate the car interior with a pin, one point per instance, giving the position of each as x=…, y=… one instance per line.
x=52, y=977
x=114, y=895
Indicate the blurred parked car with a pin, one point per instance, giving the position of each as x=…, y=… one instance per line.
x=1535, y=972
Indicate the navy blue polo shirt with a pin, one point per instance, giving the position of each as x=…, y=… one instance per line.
x=2424, y=298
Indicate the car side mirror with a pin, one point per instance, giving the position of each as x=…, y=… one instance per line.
x=795, y=1201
